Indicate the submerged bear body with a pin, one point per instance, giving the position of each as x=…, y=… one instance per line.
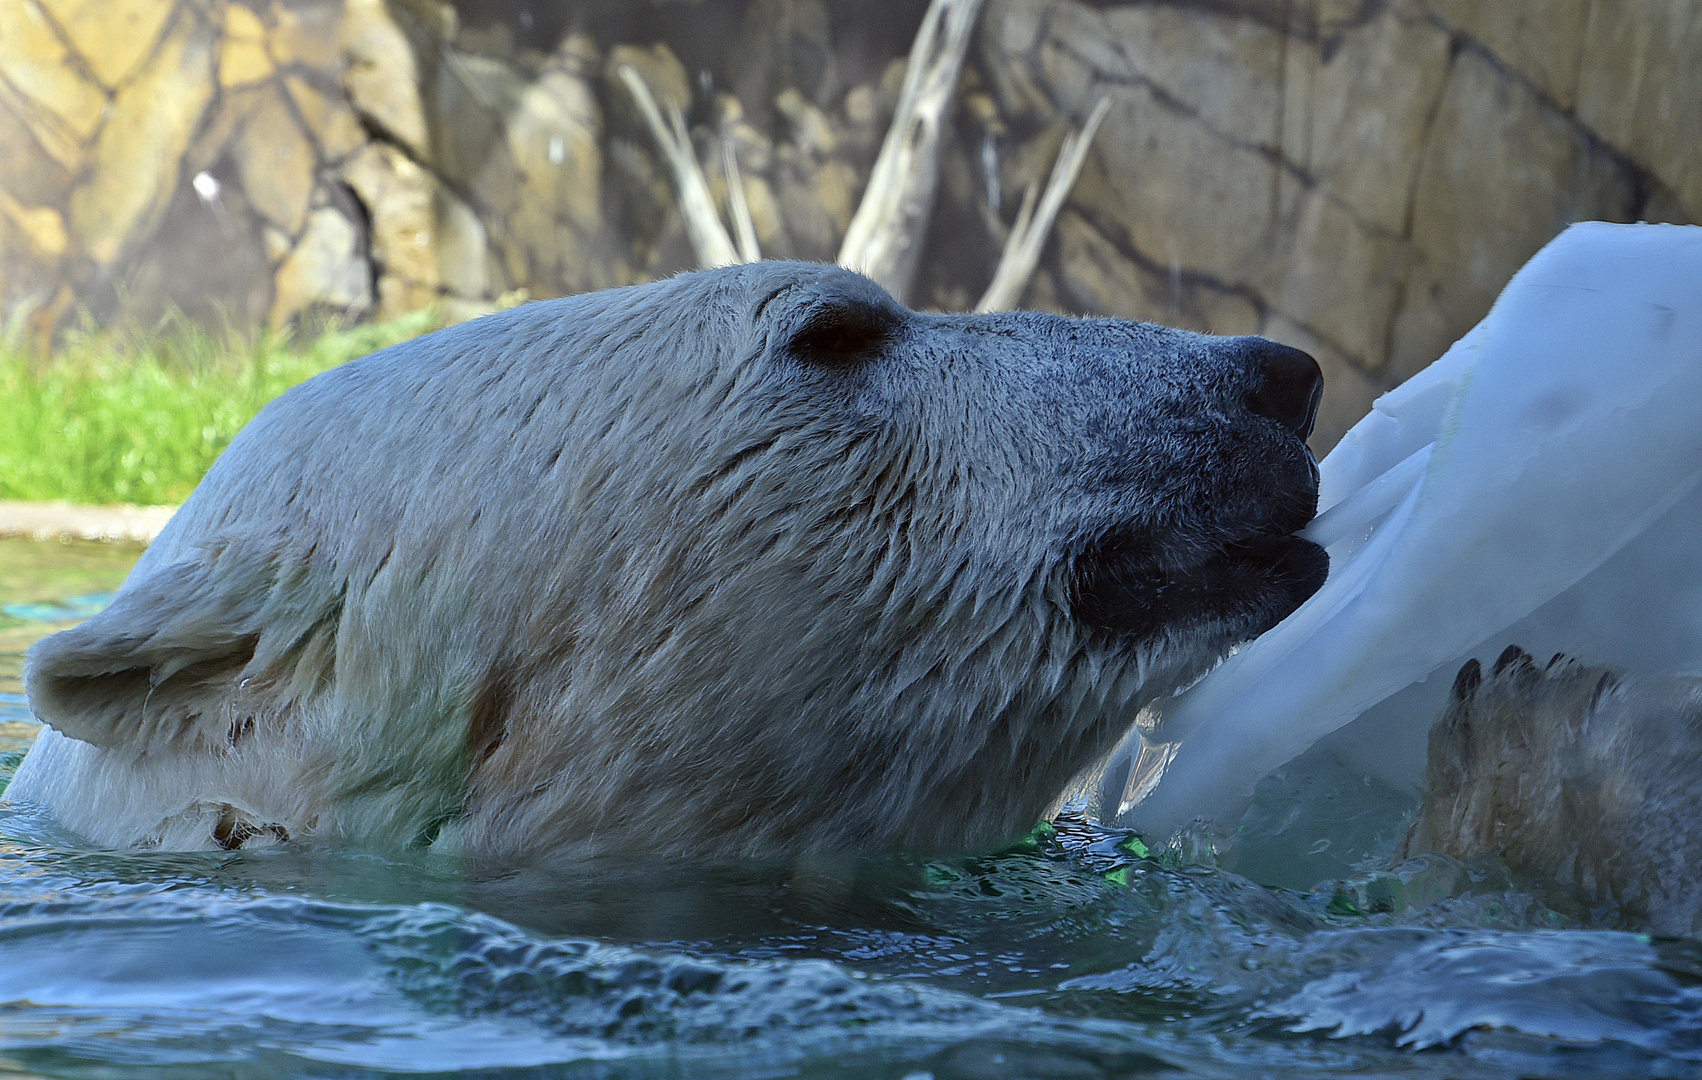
x=745, y=561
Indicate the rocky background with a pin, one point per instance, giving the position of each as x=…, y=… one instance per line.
x=1356, y=177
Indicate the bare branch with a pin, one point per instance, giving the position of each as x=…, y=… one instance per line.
x=737, y=208
x=1034, y=224
x=885, y=238
x=709, y=239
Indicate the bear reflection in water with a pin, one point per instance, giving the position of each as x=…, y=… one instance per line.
x=747, y=562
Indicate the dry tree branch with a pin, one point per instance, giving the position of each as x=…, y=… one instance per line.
x=708, y=236
x=744, y=230
x=885, y=238
x=886, y=234
x=1033, y=225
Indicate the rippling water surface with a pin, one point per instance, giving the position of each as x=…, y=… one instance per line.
x=1071, y=955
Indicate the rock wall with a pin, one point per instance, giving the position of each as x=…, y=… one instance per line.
x=1358, y=179
x=1355, y=177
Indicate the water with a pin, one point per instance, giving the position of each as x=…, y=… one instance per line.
x=1069, y=956
x=48, y=586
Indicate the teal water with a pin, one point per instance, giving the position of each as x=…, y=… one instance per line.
x=1070, y=956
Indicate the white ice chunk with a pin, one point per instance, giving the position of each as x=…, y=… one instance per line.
x=1538, y=484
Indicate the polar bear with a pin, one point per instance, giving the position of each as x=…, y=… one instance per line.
x=749, y=561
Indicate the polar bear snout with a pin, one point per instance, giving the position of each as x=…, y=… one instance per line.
x=1216, y=490
x=1287, y=387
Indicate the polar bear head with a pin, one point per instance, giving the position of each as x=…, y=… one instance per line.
x=747, y=560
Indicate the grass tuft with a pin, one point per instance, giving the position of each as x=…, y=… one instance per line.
x=116, y=416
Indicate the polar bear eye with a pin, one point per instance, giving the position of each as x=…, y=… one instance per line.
x=842, y=335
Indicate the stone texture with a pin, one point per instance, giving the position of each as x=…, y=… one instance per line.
x=1366, y=177
x=27, y=170
x=330, y=121
x=276, y=241
x=1214, y=199
x=275, y=161
x=327, y=268
x=215, y=270
x=306, y=33
x=221, y=125
x=1342, y=280
x=817, y=199
x=1640, y=89
x=1542, y=42
x=646, y=198
x=33, y=183
x=113, y=37
x=438, y=18
x=42, y=226
x=136, y=158
x=381, y=76
x=41, y=84
x=463, y=269
x=815, y=188
x=398, y=196
x=1009, y=42
x=1094, y=275
x=1225, y=71
x=428, y=245
x=766, y=220
x=469, y=101
x=243, y=59
x=783, y=45
x=554, y=137
x=1366, y=112
x=1501, y=176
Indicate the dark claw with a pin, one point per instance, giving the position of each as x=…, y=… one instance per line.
x=1511, y=655
x=1604, y=686
x=1470, y=677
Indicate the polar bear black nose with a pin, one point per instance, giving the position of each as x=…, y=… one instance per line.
x=1287, y=385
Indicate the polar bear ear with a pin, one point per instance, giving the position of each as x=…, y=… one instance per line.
x=843, y=332
x=167, y=660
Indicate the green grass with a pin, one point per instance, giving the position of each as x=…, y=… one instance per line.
x=138, y=418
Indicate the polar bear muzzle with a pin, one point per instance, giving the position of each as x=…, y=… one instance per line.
x=1230, y=566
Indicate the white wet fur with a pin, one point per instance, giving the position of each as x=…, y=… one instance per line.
x=1536, y=485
